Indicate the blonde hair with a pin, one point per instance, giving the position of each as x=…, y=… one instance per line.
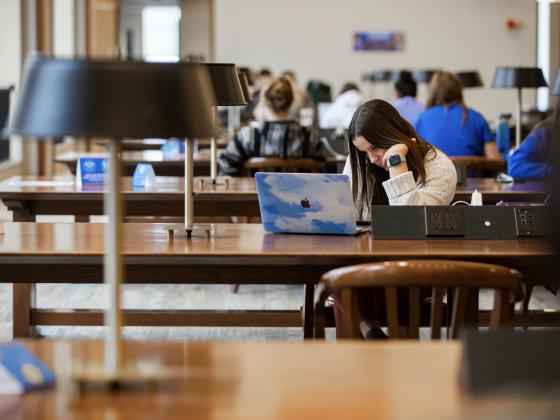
x=279, y=95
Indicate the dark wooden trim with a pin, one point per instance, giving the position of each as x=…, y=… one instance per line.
x=172, y=318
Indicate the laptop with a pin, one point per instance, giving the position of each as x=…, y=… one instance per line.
x=307, y=203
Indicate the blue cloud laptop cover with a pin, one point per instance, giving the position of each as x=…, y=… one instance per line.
x=306, y=203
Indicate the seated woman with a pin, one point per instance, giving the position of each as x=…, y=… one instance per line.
x=406, y=102
x=277, y=136
x=389, y=163
x=450, y=125
x=531, y=160
x=340, y=112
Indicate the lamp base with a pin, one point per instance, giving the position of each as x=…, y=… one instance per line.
x=219, y=180
x=146, y=374
x=206, y=228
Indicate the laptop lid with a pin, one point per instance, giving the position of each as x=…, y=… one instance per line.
x=306, y=203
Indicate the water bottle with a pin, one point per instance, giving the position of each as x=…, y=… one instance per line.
x=502, y=135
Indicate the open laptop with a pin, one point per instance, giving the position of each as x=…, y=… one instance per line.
x=307, y=203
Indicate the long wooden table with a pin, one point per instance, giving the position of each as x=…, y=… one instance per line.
x=169, y=165
x=33, y=253
x=346, y=380
x=30, y=196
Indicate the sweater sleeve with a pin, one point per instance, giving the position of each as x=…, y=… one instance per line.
x=526, y=162
x=437, y=189
x=231, y=160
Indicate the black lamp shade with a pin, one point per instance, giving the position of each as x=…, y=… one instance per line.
x=556, y=88
x=423, y=76
x=98, y=98
x=518, y=77
x=244, y=85
x=469, y=79
x=226, y=84
x=249, y=74
x=382, y=75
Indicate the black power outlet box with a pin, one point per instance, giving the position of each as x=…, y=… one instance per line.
x=466, y=222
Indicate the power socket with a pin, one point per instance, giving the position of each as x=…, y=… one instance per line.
x=444, y=221
x=526, y=222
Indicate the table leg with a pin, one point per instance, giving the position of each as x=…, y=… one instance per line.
x=22, y=214
x=308, y=311
x=471, y=318
x=23, y=300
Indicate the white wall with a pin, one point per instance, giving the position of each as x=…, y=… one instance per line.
x=314, y=37
x=64, y=36
x=10, y=44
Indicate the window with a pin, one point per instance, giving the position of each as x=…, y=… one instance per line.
x=160, y=33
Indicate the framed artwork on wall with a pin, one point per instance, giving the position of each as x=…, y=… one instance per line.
x=378, y=41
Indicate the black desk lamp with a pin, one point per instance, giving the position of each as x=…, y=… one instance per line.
x=556, y=89
x=469, y=79
x=114, y=99
x=518, y=77
x=423, y=76
x=229, y=92
x=244, y=85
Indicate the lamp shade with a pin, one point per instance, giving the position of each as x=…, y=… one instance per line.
x=244, y=85
x=423, y=76
x=382, y=75
x=518, y=77
x=469, y=79
x=226, y=84
x=116, y=99
x=556, y=88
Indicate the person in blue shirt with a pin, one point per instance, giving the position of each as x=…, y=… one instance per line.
x=406, y=102
x=531, y=160
x=450, y=125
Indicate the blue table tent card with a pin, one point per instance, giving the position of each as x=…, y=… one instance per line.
x=91, y=171
x=21, y=370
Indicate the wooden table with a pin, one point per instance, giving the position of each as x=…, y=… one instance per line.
x=27, y=197
x=173, y=165
x=170, y=165
x=346, y=380
x=155, y=144
x=30, y=196
x=33, y=253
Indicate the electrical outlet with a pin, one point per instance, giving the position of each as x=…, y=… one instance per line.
x=526, y=222
x=444, y=221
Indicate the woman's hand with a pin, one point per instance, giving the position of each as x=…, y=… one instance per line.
x=397, y=149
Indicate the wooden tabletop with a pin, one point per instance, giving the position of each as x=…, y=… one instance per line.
x=167, y=164
x=344, y=380
x=29, y=196
x=244, y=240
x=155, y=144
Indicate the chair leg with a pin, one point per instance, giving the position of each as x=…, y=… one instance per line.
x=235, y=288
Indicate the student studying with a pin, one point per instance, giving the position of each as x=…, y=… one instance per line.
x=450, y=125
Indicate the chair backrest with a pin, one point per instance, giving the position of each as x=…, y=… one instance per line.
x=274, y=164
x=478, y=166
x=442, y=276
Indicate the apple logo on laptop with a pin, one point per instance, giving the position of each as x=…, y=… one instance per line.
x=305, y=203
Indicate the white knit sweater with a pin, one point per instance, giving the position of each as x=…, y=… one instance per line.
x=437, y=189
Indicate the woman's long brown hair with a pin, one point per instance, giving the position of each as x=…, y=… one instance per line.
x=445, y=89
x=381, y=125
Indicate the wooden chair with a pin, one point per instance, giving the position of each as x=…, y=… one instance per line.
x=275, y=164
x=477, y=166
x=439, y=275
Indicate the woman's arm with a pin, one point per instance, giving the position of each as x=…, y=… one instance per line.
x=526, y=162
x=437, y=189
x=491, y=151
